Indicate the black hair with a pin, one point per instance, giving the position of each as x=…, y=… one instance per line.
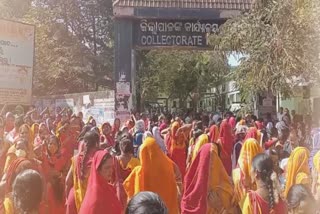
x=298, y=193
x=27, y=191
x=106, y=157
x=84, y=130
x=18, y=122
x=53, y=137
x=146, y=203
x=263, y=165
x=91, y=140
x=126, y=146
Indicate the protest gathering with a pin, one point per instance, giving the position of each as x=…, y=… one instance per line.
x=166, y=163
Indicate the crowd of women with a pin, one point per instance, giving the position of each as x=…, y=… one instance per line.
x=158, y=165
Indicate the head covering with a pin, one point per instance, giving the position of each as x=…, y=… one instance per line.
x=100, y=196
x=8, y=127
x=249, y=150
x=202, y=178
x=315, y=134
x=214, y=133
x=227, y=141
x=146, y=135
x=139, y=126
x=232, y=122
x=159, y=140
x=298, y=168
x=150, y=175
x=241, y=129
x=33, y=129
x=201, y=141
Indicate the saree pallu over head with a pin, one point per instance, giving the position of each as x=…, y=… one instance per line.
x=227, y=140
x=206, y=174
x=101, y=196
x=176, y=146
x=249, y=150
x=203, y=139
x=253, y=132
x=214, y=133
x=80, y=178
x=156, y=174
x=34, y=131
x=298, y=171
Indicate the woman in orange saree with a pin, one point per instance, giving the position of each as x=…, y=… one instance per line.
x=17, y=166
x=79, y=172
x=176, y=146
x=156, y=174
x=226, y=141
x=241, y=175
x=204, y=191
x=22, y=147
x=55, y=169
x=298, y=171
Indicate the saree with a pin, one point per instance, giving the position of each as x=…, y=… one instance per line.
x=316, y=168
x=254, y=133
x=203, y=139
x=55, y=168
x=101, y=197
x=121, y=173
x=214, y=133
x=34, y=131
x=107, y=139
x=298, y=171
x=80, y=180
x=150, y=176
x=241, y=175
x=255, y=204
x=17, y=166
x=226, y=139
x=176, y=147
x=202, y=180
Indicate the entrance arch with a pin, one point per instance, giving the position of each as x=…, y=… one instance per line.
x=148, y=24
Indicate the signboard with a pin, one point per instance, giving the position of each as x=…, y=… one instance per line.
x=100, y=105
x=167, y=33
x=16, y=62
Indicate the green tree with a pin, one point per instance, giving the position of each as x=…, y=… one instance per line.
x=279, y=40
x=179, y=74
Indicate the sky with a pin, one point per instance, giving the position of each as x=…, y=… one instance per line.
x=233, y=59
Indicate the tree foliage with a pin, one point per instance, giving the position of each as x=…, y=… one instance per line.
x=179, y=74
x=279, y=40
x=74, y=43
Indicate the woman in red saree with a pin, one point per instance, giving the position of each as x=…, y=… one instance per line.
x=176, y=146
x=266, y=199
x=214, y=133
x=226, y=140
x=106, y=139
x=55, y=169
x=101, y=197
x=207, y=186
x=116, y=127
x=77, y=178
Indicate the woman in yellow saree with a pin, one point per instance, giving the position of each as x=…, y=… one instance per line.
x=241, y=175
x=156, y=174
x=77, y=178
x=195, y=147
x=207, y=186
x=316, y=176
x=298, y=171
